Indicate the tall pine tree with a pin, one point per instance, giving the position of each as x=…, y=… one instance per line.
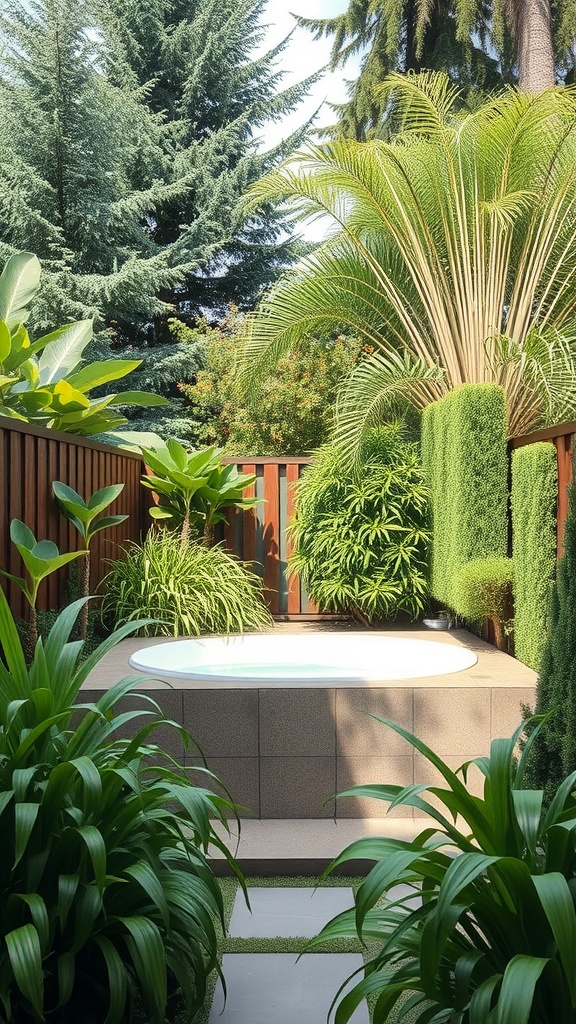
x=128, y=133
x=81, y=164
x=195, y=57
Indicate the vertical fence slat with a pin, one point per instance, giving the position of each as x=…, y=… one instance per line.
x=292, y=476
x=270, y=538
x=564, y=455
x=248, y=552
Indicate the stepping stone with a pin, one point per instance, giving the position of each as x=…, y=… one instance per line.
x=288, y=912
x=276, y=987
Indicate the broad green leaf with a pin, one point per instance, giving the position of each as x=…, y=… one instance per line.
x=517, y=992
x=147, y=951
x=556, y=899
x=63, y=350
x=65, y=493
x=67, y=401
x=25, y=958
x=144, y=399
x=117, y=980
x=101, y=372
x=5, y=341
x=18, y=285
x=25, y=815
x=105, y=496
x=96, y=847
x=178, y=454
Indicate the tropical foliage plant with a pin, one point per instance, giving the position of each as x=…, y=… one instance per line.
x=188, y=589
x=493, y=933
x=465, y=458
x=533, y=502
x=40, y=558
x=43, y=381
x=361, y=540
x=107, y=901
x=453, y=254
x=555, y=750
x=484, y=592
x=87, y=517
x=194, y=490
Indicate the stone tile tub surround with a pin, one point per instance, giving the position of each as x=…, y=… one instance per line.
x=283, y=752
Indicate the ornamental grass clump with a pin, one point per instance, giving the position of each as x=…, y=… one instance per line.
x=107, y=901
x=189, y=589
x=361, y=538
x=492, y=937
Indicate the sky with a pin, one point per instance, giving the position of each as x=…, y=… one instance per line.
x=302, y=56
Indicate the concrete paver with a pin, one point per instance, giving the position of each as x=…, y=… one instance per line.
x=278, y=987
x=287, y=911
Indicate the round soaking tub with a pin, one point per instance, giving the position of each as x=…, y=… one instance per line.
x=266, y=659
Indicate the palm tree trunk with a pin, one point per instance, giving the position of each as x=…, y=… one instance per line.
x=534, y=50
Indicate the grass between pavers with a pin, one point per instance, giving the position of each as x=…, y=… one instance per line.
x=281, y=944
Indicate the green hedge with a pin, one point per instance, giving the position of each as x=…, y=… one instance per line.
x=534, y=499
x=465, y=458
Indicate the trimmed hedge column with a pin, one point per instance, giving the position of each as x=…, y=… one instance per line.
x=464, y=438
x=534, y=498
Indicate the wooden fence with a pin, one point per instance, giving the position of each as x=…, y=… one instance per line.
x=31, y=458
x=259, y=534
x=562, y=438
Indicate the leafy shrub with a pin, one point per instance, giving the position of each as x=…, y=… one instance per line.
x=287, y=412
x=484, y=590
x=494, y=938
x=106, y=896
x=465, y=458
x=190, y=588
x=362, y=540
x=555, y=749
x=534, y=497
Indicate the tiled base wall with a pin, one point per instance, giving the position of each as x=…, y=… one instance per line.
x=284, y=753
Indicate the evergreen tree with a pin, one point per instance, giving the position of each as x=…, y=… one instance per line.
x=480, y=45
x=128, y=134
x=554, y=753
x=195, y=59
x=72, y=144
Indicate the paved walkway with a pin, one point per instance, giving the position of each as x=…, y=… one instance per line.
x=282, y=987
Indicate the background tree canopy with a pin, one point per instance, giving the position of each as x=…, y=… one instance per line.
x=128, y=133
x=480, y=45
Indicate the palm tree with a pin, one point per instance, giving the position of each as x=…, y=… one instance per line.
x=485, y=43
x=453, y=254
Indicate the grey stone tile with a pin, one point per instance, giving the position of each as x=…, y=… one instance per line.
x=224, y=723
x=507, y=710
x=279, y=988
x=297, y=722
x=361, y=735
x=452, y=722
x=296, y=787
x=359, y=771
x=239, y=776
x=287, y=911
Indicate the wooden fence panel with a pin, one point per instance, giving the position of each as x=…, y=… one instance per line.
x=31, y=458
x=260, y=535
